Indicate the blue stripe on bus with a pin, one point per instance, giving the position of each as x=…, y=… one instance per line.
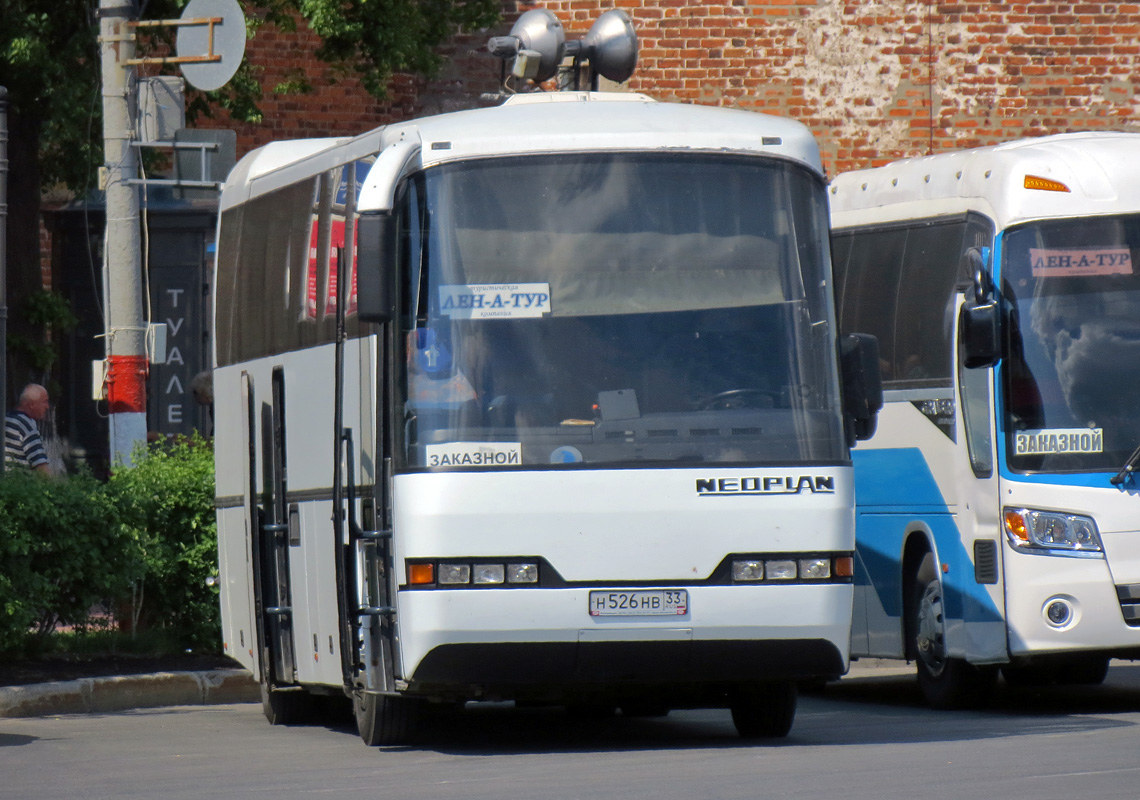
x=894, y=487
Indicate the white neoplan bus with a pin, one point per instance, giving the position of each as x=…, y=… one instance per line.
x=998, y=519
x=567, y=429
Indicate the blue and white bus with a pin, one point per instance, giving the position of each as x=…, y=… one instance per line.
x=997, y=512
x=538, y=402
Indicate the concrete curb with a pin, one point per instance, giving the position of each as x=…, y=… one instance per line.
x=117, y=693
x=880, y=668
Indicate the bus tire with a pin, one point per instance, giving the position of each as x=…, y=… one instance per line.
x=285, y=708
x=1090, y=671
x=384, y=720
x=1082, y=671
x=764, y=711
x=945, y=682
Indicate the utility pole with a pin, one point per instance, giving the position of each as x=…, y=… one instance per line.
x=126, y=367
x=3, y=270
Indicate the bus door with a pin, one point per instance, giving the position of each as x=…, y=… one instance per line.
x=370, y=563
x=979, y=518
x=361, y=472
x=270, y=538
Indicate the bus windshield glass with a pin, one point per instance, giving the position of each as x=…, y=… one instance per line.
x=596, y=309
x=1072, y=371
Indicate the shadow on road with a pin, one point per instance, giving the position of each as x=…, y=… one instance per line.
x=859, y=711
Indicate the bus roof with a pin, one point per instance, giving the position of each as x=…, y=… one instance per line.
x=1100, y=174
x=539, y=122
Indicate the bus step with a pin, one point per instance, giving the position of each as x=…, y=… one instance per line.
x=375, y=611
x=279, y=611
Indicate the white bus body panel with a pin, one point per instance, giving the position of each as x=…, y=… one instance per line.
x=531, y=123
x=615, y=528
x=1087, y=583
x=308, y=376
x=1100, y=169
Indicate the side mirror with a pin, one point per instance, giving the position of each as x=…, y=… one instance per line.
x=978, y=325
x=376, y=267
x=862, y=384
x=978, y=332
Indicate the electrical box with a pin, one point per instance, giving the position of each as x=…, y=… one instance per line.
x=161, y=109
x=98, y=379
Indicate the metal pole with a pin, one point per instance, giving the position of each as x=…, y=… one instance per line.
x=126, y=333
x=3, y=269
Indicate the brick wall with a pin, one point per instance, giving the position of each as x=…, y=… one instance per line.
x=873, y=80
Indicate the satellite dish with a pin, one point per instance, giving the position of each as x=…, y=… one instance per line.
x=611, y=46
x=539, y=30
x=218, y=47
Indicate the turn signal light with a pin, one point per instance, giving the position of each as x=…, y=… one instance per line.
x=1044, y=184
x=420, y=574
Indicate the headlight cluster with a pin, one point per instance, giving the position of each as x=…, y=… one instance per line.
x=751, y=570
x=473, y=573
x=1051, y=531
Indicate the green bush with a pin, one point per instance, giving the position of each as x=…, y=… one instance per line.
x=61, y=552
x=166, y=504
x=141, y=544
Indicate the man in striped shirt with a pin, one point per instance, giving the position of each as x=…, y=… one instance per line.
x=22, y=441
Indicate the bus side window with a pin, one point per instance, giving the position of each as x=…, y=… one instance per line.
x=869, y=305
x=925, y=322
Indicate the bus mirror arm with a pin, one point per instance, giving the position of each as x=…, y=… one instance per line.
x=862, y=385
x=376, y=267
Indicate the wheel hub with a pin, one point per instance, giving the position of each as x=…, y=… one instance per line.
x=931, y=638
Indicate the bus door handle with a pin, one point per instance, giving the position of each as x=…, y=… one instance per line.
x=372, y=536
x=375, y=611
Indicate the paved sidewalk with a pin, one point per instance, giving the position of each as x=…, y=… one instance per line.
x=117, y=693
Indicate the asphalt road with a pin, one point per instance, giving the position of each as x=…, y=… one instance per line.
x=867, y=737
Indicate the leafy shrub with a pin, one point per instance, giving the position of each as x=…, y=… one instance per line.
x=165, y=502
x=61, y=552
x=142, y=544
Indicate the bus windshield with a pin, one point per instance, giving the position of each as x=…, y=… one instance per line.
x=579, y=310
x=1072, y=371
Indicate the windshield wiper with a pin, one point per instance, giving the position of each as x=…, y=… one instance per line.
x=1127, y=469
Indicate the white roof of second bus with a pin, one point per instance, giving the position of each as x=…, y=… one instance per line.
x=1102, y=171
x=536, y=123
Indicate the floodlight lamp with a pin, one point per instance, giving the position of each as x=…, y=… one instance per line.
x=611, y=46
x=539, y=35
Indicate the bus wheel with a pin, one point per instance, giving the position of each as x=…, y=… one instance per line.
x=285, y=708
x=644, y=707
x=1089, y=671
x=764, y=711
x=1081, y=671
x=945, y=682
x=384, y=720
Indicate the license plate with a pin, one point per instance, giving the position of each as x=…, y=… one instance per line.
x=641, y=603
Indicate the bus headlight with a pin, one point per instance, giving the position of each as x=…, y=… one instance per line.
x=522, y=573
x=751, y=570
x=450, y=574
x=815, y=568
x=1029, y=529
x=489, y=573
